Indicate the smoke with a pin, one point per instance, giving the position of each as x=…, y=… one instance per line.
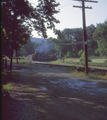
x=45, y=47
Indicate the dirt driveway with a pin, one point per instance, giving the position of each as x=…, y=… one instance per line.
x=44, y=93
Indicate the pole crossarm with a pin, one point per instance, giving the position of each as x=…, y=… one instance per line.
x=81, y=7
x=87, y=1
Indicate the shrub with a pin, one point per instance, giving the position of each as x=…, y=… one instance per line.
x=68, y=55
x=81, y=59
x=7, y=87
x=80, y=52
x=7, y=58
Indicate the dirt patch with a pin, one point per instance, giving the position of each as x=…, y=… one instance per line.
x=44, y=93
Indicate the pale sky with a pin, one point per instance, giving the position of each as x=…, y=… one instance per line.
x=71, y=17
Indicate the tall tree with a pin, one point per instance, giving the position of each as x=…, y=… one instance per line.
x=16, y=13
x=92, y=44
x=28, y=48
x=74, y=37
x=100, y=34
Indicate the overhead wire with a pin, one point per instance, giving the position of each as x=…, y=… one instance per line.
x=89, y=40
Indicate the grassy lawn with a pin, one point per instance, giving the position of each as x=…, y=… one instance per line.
x=22, y=61
x=72, y=59
x=96, y=62
x=98, y=59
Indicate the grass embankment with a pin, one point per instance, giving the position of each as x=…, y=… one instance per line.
x=98, y=62
x=89, y=75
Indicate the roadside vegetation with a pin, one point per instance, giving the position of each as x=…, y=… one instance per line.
x=99, y=62
x=8, y=80
x=22, y=61
x=8, y=87
x=96, y=75
x=96, y=62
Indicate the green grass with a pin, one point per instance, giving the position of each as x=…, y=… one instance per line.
x=89, y=75
x=9, y=80
x=8, y=87
x=22, y=61
x=96, y=62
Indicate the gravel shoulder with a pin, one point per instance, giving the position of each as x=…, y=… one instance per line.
x=47, y=93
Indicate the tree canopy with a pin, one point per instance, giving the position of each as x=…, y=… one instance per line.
x=100, y=34
x=19, y=17
x=70, y=41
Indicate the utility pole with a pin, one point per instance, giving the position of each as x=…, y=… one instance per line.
x=84, y=30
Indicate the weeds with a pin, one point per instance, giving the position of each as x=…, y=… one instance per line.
x=7, y=87
x=89, y=75
x=8, y=80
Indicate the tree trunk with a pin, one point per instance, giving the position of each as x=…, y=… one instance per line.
x=11, y=58
x=16, y=57
x=5, y=62
x=12, y=42
x=63, y=59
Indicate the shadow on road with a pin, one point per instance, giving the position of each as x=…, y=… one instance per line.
x=42, y=93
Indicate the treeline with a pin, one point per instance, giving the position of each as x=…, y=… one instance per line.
x=70, y=41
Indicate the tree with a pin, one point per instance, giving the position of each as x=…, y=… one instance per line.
x=80, y=52
x=74, y=36
x=92, y=44
x=100, y=35
x=18, y=13
x=28, y=48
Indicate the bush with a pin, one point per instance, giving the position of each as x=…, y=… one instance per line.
x=59, y=60
x=80, y=52
x=81, y=59
x=68, y=55
x=6, y=58
x=89, y=60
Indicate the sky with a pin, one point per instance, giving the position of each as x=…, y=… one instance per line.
x=71, y=17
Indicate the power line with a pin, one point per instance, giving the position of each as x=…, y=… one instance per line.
x=88, y=40
x=77, y=42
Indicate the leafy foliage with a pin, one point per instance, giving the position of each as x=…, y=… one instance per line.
x=28, y=48
x=80, y=52
x=70, y=41
x=18, y=19
x=82, y=56
x=100, y=34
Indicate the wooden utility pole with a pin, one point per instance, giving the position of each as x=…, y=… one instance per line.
x=84, y=30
